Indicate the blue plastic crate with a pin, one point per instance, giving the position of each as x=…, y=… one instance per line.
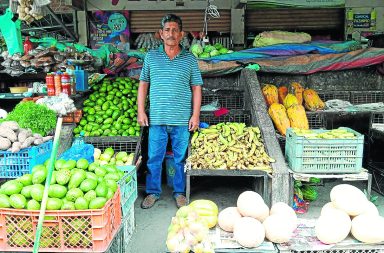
x=128, y=187
x=14, y=165
x=324, y=155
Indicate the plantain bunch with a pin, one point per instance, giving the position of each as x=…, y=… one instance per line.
x=229, y=146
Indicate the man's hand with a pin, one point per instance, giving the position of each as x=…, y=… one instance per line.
x=194, y=123
x=142, y=119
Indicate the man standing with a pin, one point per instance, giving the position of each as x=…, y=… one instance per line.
x=174, y=82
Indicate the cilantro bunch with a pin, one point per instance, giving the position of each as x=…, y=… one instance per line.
x=39, y=118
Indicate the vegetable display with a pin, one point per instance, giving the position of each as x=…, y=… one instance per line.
x=111, y=109
x=208, y=50
x=189, y=231
x=39, y=118
x=13, y=138
x=229, y=146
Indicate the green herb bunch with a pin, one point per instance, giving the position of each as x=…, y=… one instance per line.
x=39, y=118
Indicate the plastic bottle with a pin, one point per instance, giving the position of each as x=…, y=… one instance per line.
x=79, y=140
x=57, y=84
x=72, y=76
x=49, y=80
x=28, y=45
x=66, y=84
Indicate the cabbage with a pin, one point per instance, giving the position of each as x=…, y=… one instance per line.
x=196, y=49
x=214, y=52
x=223, y=50
x=204, y=55
x=209, y=48
x=218, y=46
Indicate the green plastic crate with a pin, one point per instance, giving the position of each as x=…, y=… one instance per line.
x=128, y=187
x=324, y=155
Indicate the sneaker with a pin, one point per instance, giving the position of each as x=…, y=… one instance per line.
x=181, y=200
x=149, y=201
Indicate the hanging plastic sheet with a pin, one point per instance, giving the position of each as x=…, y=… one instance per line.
x=11, y=32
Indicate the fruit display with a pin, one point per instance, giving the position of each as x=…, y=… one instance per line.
x=229, y=146
x=111, y=109
x=108, y=156
x=189, y=229
x=270, y=93
x=349, y=212
x=297, y=90
x=75, y=185
x=251, y=221
x=312, y=101
x=295, y=100
x=279, y=116
x=209, y=50
x=297, y=117
x=338, y=133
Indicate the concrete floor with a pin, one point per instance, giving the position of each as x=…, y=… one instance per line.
x=151, y=224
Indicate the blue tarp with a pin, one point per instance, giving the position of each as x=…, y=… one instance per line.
x=288, y=50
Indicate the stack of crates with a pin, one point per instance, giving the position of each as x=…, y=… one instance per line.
x=128, y=183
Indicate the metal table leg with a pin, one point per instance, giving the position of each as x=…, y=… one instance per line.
x=188, y=186
x=265, y=189
x=369, y=185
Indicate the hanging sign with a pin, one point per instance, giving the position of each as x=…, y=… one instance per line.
x=361, y=20
x=109, y=27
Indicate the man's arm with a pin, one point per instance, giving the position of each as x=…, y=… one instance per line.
x=196, y=106
x=142, y=118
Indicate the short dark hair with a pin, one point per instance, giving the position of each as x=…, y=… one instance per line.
x=171, y=18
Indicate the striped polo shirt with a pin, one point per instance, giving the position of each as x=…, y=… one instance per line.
x=170, y=82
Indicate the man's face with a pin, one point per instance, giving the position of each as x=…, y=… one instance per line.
x=171, y=34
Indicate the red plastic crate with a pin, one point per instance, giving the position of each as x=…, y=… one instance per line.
x=63, y=231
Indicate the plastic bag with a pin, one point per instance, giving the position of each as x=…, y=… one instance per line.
x=79, y=151
x=11, y=31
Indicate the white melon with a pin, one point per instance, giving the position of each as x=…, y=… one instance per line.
x=251, y=204
x=330, y=206
x=283, y=209
x=368, y=228
x=348, y=198
x=249, y=232
x=277, y=229
x=228, y=217
x=333, y=227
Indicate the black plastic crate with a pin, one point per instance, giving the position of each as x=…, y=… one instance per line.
x=316, y=120
x=240, y=116
x=329, y=95
x=377, y=118
x=377, y=171
x=230, y=99
x=118, y=143
x=366, y=97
